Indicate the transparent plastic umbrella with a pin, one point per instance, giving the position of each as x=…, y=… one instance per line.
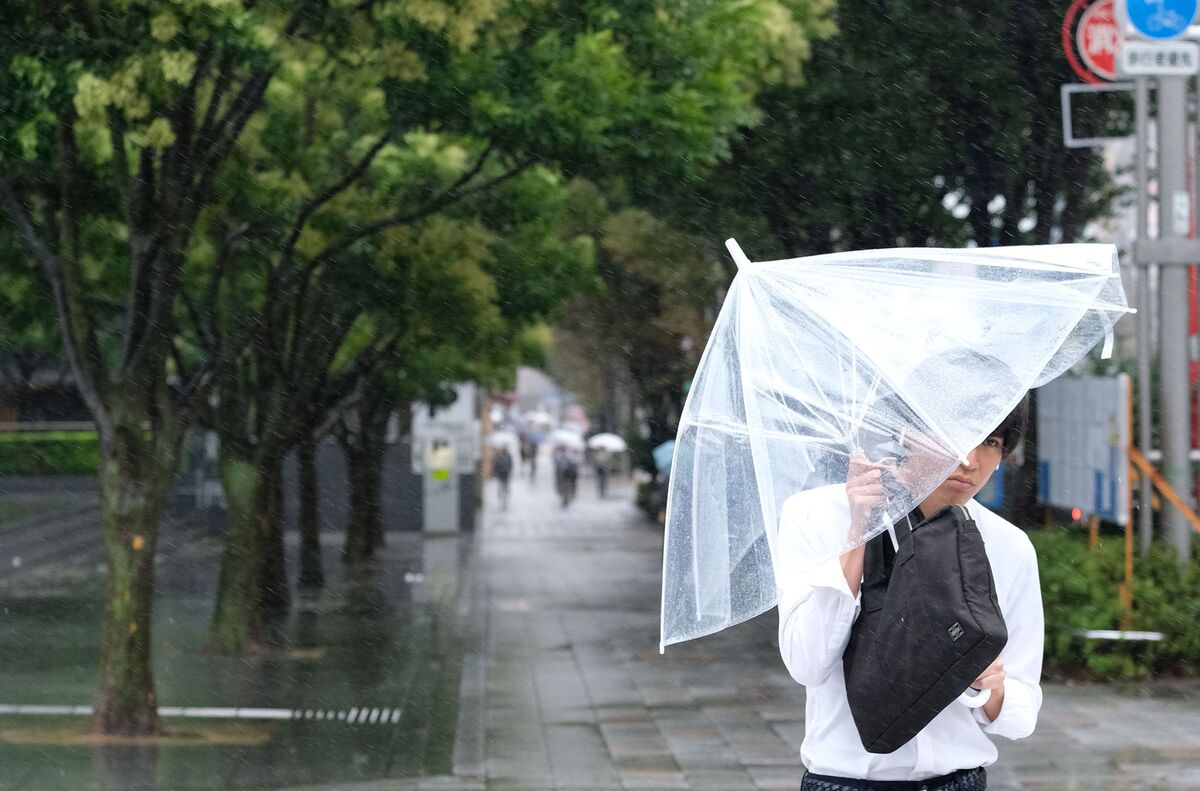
x=567, y=438
x=912, y=356
x=538, y=417
x=505, y=439
x=606, y=441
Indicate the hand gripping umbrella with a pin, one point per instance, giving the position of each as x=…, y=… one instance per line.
x=911, y=356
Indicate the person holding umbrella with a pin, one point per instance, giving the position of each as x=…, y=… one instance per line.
x=603, y=446
x=847, y=407
x=817, y=612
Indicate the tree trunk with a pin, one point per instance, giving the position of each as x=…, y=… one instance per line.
x=275, y=596
x=133, y=488
x=312, y=575
x=364, y=531
x=132, y=767
x=365, y=449
x=237, y=625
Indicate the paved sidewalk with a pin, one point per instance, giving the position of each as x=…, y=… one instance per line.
x=566, y=690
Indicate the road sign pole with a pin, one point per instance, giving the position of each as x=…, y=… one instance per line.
x=1174, y=222
x=1146, y=309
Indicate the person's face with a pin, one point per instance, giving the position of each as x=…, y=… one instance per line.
x=967, y=479
x=926, y=461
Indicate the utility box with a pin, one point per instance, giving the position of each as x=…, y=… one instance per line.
x=439, y=486
x=446, y=454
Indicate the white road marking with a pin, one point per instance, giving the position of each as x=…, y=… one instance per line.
x=355, y=715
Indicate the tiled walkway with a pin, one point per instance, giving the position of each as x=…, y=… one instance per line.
x=566, y=688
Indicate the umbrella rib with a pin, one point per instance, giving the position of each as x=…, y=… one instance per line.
x=938, y=255
x=920, y=412
x=1027, y=297
x=731, y=428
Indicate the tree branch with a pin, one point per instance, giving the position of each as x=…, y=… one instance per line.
x=68, y=166
x=244, y=106
x=310, y=208
x=86, y=379
x=202, y=333
x=178, y=357
x=212, y=294
x=116, y=133
x=140, y=244
x=177, y=212
x=228, y=129
x=208, y=124
x=248, y=334
x=343, y=400
x=451, y=195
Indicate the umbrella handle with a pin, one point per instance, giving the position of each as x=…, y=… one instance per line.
x=974, y=701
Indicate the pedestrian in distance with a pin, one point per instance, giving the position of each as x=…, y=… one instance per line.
x=601, y=462
x=817, y=614
x=566, y=473
x=529, y=454
x=502, y=465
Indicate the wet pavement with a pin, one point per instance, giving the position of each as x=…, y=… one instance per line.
x=370, y=669
x=524, y=658
x=565, y=688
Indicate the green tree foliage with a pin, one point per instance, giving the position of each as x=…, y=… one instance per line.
x=635, y=340
x=29, y=340
x=918, y=125
x=915, y=124
x=141, y=140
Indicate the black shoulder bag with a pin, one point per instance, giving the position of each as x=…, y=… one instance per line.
x=929, y=624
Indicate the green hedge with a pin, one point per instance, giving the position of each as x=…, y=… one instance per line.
x=1079, y=591
x=49, y=453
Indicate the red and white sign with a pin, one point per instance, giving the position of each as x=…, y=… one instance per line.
x=1092, y=39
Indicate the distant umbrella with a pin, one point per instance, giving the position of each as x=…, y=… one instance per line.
x=505, y=439
x=566, y=438
x=609, y=442
x=663, y=455
x=538, y=418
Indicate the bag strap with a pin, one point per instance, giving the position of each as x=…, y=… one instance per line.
x=878, y=560
x=904, y=535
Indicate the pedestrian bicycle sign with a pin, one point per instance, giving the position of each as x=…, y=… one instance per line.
x=1161, y=19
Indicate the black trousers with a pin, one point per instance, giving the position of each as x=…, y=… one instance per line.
x=962, y=780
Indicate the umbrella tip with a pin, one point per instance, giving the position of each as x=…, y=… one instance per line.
x=735, y=250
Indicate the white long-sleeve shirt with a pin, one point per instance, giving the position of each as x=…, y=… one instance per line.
x=816, y=611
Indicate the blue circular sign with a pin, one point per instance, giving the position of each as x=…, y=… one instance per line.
x=1161, y=18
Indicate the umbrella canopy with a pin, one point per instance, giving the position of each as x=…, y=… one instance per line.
x=915, y=355
x=609, y=442
x=538, y=417
x=567, y=438
x=505, y=439
x=663, y=456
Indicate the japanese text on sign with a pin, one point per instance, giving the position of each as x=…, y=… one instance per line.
x=1143, y=57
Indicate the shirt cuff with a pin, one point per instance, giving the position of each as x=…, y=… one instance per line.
x=1018, y=714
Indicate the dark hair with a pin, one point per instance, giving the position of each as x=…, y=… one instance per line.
x=1012, y=428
